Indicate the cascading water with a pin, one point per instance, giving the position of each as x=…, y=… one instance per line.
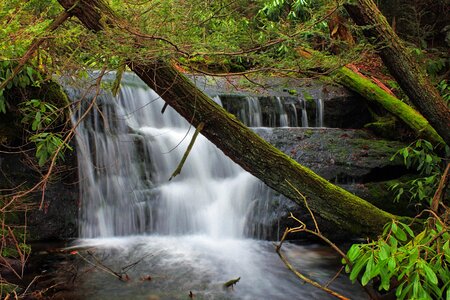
x=284, y=122
x=304, y=112
x=292, y=114
x=193, y=230
x=319, y=112
x=128, y=152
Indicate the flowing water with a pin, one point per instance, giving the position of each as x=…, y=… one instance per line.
x=191, y=233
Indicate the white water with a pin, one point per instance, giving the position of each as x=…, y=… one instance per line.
x=304, y=112
x=190, y=233
x=127, y=154
x=319, y=112
x=284, y=122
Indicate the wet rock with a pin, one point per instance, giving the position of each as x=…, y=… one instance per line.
x=324, y=104
x=58, y=218
x=353, y=159
x=341, y=156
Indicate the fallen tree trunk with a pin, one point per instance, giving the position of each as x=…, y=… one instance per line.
x=277, y=170
x=373, y=93
x=411, y=78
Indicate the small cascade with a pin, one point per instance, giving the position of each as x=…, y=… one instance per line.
x=254, y=112
x=319, y=112
x=281, y=112
x=217, y=100
x=292, y=114
x=304, y=112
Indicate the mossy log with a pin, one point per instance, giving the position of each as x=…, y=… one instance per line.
x=410, y=76
x=273, y=167
x=373, y=93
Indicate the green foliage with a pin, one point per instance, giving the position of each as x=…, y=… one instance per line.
x=47, y=144
x=434, y=66
x=444, y=89
x=417, y=266
x=7, y=289
x=421, y=156
x=39, y=113
x=28, y=76
x=294, y=10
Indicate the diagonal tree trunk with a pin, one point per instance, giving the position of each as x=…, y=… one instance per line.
x=401, y=65
x=242, y=145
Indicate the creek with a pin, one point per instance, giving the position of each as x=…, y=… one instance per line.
x=194, y=232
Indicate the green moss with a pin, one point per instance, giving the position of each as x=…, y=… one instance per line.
x=384, y=126
x=401, y=110
x=307, y=96
x=53, y=93
x=309, y=132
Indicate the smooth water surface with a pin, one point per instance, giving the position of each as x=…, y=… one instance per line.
x=201, y=264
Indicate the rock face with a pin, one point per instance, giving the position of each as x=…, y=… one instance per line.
x=58, y=219
x=311, y=103
x=353, y=159
x=341, y=156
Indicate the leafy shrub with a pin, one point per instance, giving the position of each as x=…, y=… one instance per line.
x=417, y=266
x=421, y=156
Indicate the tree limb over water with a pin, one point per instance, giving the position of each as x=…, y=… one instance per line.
x=243, y=146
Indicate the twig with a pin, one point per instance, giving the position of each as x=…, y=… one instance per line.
x=132, y=265
x=100, y=265
x=308, y=280
x=29, y=285
x=188, y=150
x=306, y=205
x=334, y=277
x=441, y=187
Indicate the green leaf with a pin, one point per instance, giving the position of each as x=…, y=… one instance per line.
x=368, y=273
x=116, y=85
x=394, y=243
x=400, y=234
x=354, y=252
x=360, y=263
x=408, y=229
x=391, y=264
x=30, y=72
x=431, y=276
x=394, y=225
x=384, y=251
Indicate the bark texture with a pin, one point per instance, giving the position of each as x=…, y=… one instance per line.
x=401, y=65
x=251, y=152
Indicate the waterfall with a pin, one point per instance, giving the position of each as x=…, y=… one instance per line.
x=254, y=112
x=319, y=112
x=190, y=233
x=304, y=112
x=292, y=116
x=284, y=122
x=128, y=151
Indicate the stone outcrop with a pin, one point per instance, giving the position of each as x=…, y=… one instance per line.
x=353, y=159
